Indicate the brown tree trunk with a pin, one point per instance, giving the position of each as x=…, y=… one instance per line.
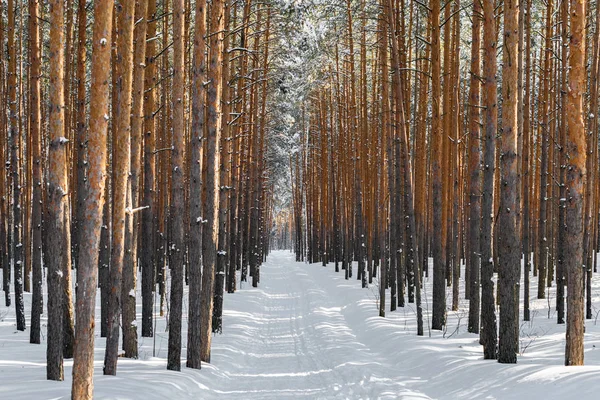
x=211, y=186
x=148, y=228
x=575, y=182
x=80, y=149
x=35, y=126
x=222, y=257
x=130, y=267
x=527, y=170
x=439, y=287
x=195, y=235
x=90, y=229
x=177, y=247
x=57, y=256
x=509, y=243
x=475, y=168
x=121, y=160
x=15, y=170
x=543, y=243
x=488, y=312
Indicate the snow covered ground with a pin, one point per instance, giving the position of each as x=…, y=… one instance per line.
x=307, y=333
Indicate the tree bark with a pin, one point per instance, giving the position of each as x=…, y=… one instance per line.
x=575, y=182
x=148, y=228
x=475, y=168
x=211, y=187
x=35, y=125
x=439, y=288
x=488, y=312
x=509, y=244
x=15, y=170
x=195, y=236
x=177, y=247
x=121, y=160
x=57, y=227
x=90, y=229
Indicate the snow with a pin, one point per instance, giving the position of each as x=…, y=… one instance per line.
x=307, y=333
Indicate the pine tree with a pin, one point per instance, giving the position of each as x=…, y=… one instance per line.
x=575, y=182
x=57, y=254
x=87, y=268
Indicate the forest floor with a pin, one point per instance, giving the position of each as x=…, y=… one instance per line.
x=308, y=333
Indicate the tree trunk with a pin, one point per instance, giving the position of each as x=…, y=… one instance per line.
x=439, y=288
x=90, y=228
x=121, y=160
x=509, y=243
x=148, y=228
x=15, y=170
x=196, y=221
x=177, y=247
x=37, y=301
x=575, y=182
x=212, y=185
x=488, y=312
x=56, y=231
x=475, y=168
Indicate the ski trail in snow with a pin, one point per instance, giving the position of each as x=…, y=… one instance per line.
x=299, y=344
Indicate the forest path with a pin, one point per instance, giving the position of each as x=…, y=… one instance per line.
x=294, y=341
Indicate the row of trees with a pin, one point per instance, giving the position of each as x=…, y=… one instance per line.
x=134, y=137
x=462, y=132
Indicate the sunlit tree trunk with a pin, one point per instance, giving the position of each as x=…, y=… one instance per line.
x=211, y=185
x=90, y=229
x=57, y=254
x=130, y=266
x=120, y=161
x=35, y=126
x=575, y=182
x=439, y=291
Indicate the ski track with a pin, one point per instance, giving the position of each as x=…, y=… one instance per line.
x=307, y=333
x=301, y=343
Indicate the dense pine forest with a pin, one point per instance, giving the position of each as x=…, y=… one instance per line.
x=163, y=159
